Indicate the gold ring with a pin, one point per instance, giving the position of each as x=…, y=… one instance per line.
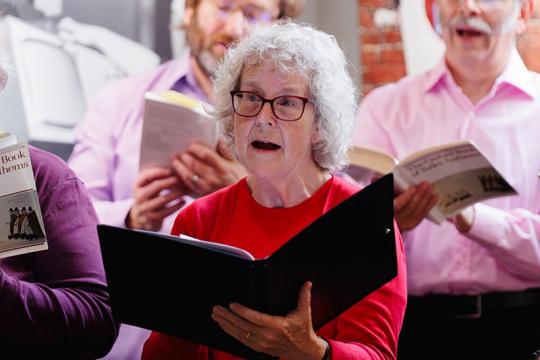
x=248, y=334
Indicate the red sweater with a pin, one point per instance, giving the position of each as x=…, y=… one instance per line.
x=368, y=330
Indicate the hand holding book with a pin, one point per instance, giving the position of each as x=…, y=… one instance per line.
x=291, y=334
x=459, y=173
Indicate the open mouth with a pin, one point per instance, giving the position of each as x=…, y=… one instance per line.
x=264, y=145
x=224, y=44
x=468, y=32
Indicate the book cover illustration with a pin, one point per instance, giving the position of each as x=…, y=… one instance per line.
x=21, y=221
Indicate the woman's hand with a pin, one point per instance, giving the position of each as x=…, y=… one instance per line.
x=291, y=336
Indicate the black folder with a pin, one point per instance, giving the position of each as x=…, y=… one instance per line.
x=161, y=283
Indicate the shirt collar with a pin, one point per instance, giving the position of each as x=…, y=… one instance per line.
x=182, y=76
x=436, y=76
x=515, y=74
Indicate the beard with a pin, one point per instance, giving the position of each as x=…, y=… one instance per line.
x=200, y=47
x=208, y=62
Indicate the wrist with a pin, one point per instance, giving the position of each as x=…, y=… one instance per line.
x=131, y=220
x=326, y=346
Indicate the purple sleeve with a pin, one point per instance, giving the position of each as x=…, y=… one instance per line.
x=56, y=300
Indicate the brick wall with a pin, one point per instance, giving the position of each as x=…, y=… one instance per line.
x=381, y=54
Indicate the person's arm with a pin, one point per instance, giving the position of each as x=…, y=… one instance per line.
x=64, y=309
x=93, y=157
x=512, y=237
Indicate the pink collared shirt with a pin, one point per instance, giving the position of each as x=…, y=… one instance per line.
x=502, y=250
x=108, y=140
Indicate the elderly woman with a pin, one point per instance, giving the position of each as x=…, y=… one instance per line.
x=286, y=103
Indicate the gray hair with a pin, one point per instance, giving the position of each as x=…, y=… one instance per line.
x=303, y=50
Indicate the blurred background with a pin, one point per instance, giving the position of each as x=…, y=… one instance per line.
x=64, y=51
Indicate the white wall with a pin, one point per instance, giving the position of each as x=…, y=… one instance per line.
x=339, y=18
x=422, y=46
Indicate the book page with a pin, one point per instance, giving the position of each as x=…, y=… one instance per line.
x=169, y=128
x=366, y=164
x=21, y=222
x=227, y=249
x=461, y=174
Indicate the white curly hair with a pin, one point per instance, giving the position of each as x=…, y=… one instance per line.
x=303, y=50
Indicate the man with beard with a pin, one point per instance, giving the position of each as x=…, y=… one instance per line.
x=108, y=139
x=474, y=281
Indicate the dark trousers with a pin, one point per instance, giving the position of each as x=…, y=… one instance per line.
x=441, y=330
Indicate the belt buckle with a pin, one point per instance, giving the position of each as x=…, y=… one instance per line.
x=476, y=313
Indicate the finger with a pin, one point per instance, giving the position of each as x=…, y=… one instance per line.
x=164, y=211
x=304, y=299
x=253, y=316
x=208, y=156
x=160, y=201
x=204, y=171
x=153, y=189
x=220, y=312
x=418, y=207
x=428, y=199
x=246, y=337
x=235, y=325
x=147, y=176
x=403, y=199
x=185, y=174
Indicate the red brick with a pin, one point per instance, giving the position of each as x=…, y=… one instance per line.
x=389, y=4
x=370, y=57
x=393, y=35
x=371, y=37
x=392, y=56
x=383, y=73
x=366, y=18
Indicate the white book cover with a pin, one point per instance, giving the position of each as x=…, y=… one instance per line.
x=172, y=121
x=460, y=173
x=21, y=222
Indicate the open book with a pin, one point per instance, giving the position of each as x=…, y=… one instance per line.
x=170, y=284
x=21, y=223
x=459, y=171
x=172, y=121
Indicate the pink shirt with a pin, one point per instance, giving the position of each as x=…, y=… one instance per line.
x=108, y=140
x=502, y=249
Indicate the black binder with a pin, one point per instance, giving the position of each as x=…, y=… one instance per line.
x=160, y=283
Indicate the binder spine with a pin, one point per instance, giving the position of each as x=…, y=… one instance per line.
x=259, y=287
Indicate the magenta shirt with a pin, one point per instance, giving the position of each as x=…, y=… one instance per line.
x=502, y=249
x=55, y=302
x=108, y=140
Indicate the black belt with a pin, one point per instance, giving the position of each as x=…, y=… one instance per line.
x=474, y=306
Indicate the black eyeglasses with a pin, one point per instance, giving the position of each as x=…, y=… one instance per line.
x=286, y=108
